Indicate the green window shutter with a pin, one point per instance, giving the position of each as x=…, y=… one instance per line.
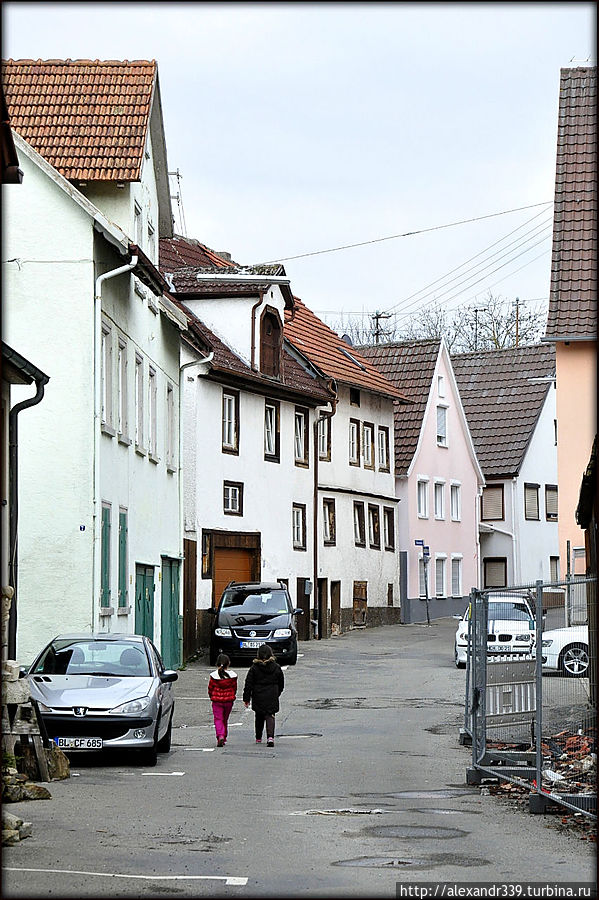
x=122, y=558
x=105, y=573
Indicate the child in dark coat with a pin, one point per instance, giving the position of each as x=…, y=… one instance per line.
x=222, y=690
x=264, y=684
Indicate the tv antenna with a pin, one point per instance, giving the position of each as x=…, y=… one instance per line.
x=179, y=198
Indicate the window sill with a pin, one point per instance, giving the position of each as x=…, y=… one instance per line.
x=153, y=459
x=234, y=451
x=141, y=450
x=124, y=440
x=106, y=611
x=152, y=305
x=390, y=549
x=170, y=468
x=360, y=544
x=272, y=459
x=302, y=463
x=330, y=543
x=301, y=549
x=123, y=610
x=108, y=430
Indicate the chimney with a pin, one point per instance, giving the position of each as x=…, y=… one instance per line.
x=224, y=255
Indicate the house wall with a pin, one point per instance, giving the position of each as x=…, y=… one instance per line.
x=51, y=288
x=500, y=542
x=447, y=539
x=576, y=366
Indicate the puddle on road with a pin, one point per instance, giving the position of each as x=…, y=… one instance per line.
x=441, y=794
x=431, y=862
x=382, y=703
x=415, y=832
x=346, y=811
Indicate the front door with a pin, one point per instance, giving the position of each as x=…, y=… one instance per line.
x=169, y=614
x=190, y=615
x=303, y=601
x=335, y=607
x=144, y=600
x=323, y=606
x=360, y=604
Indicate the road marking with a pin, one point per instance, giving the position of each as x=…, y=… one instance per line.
x=162, y=773
x=228, y=879
x=178, y=747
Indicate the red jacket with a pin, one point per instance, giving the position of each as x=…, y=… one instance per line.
x=223, y=690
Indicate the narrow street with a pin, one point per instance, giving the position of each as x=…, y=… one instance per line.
x=365, y=787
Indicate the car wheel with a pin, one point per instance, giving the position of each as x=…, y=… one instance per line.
x=574, y=660
x=164, y=744
x=458, y=663
x=291, y=660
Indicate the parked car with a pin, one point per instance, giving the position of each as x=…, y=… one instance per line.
x=511, y=627
x=566, y=650
x=104, y=692
x=250, y=614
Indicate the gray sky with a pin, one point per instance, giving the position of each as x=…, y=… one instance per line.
x=299, y=127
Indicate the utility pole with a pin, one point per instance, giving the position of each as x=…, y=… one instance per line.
x=377, y=316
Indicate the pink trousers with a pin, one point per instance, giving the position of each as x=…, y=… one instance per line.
x=221, y=712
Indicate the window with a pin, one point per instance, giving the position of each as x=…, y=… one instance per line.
x=440, y=576
x=123, y=425
x=442, y=426
x=299, y=526
x=170, y=426
x=152, y=395
x=389, y=595
x=272, y=436
x=389, y=527
x=139, y=401
x=531, y=501
x=233, y=498
x=270, y=343
x=106, y=375
x=492, y=503
x=137, y=229
x=439, y=500
x=328, y=522
x=440, y=385
x=368, y=431
x=551, y=502
x=374, y=527
x=456, y=576
x=495, y=572
x=301, y=437
x=383, y=446
x=324, y=438
x=230, y=436
x=422, y=499
x=456, y=502
x=422, y=583
x=354, y=396
x=554, y=568
x=105, y=556
x=123, y=590
x=359, y=530
x=151, y=242
x=354, y=442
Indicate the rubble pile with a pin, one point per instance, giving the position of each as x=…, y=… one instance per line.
x=570, y=763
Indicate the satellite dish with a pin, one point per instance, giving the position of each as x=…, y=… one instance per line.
x=347, y=340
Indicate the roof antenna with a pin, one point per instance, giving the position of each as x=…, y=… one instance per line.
x=179, y=198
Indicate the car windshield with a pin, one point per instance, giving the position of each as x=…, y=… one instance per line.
x=517, y=612
x=271, y=602
x=84, y=657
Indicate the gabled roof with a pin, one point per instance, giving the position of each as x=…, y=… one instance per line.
x=88, y=118
x=178, y=252
x=410, y=366
x=503, y=392
x=573, y=293
x=332, y=355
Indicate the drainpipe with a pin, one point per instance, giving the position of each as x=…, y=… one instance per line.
x=253, y=314
x=97, y=423
x=315, y=510
x=13, y=432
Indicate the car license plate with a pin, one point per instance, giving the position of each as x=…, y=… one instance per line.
x=500, y=648
x=72, y=743
x=250, y=645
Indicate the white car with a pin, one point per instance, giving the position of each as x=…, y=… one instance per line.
x=511, y=627
x=566, y=650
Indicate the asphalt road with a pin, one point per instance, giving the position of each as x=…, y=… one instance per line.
x=364, y=788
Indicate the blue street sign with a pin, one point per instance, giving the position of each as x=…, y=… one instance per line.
x=419, y=543
x=426, y=551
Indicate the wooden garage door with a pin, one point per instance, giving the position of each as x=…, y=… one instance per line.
x=231, y=564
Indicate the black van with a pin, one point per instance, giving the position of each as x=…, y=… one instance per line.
x=252, y=614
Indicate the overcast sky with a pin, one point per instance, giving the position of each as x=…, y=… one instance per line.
x=301, y=127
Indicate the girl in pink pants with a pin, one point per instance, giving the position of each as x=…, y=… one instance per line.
x=222, y=690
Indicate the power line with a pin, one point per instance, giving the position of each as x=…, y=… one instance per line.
x=393, y=237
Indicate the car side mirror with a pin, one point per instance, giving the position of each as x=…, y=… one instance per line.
x=22, y=672
x=168, y=675
x=297, y=612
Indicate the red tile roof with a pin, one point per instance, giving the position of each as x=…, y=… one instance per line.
x=88, y=118
x=178, y=251
x=323, y=347
x=573, y=293
x=503, y=401
x=410, y=365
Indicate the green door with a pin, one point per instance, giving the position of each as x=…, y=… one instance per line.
x=169, y=608
x=144, y=600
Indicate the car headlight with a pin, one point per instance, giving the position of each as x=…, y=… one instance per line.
x=43, y=708
x=282, y=632
x=524, y=637
x=463, y=636
x=132, y=707
x=222, y=632
x=547, y=643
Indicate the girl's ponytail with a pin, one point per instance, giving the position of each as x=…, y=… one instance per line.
x=222, y=662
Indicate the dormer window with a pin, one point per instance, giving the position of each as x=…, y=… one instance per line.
x=270, y=343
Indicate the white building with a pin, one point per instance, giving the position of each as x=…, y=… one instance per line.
x=100, y=525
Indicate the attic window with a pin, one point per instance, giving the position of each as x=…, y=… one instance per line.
x=354, y=396
x=270, y=343
x=352, y=358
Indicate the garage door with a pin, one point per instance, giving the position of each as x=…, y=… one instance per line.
x=231, y=565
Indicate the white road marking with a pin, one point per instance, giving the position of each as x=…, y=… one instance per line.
x=197, y=749
x=228, y=879
x=163, y=773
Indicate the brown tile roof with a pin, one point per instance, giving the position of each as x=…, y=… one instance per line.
x=332, y=355
x=185, y=281
x=503, y=403
x=178, y=252
x=295, y=381
x=573, y=292
x=410, y=366
x=88, y=118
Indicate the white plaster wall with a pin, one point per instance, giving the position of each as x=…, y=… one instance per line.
x=48, y=316
x=501, y=542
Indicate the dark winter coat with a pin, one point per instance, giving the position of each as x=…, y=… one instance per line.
x=264, y=683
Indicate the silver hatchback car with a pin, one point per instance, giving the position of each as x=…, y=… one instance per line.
x=104, y=692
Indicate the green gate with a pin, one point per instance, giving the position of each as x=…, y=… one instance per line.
x=169, y=640
x=144, y=600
